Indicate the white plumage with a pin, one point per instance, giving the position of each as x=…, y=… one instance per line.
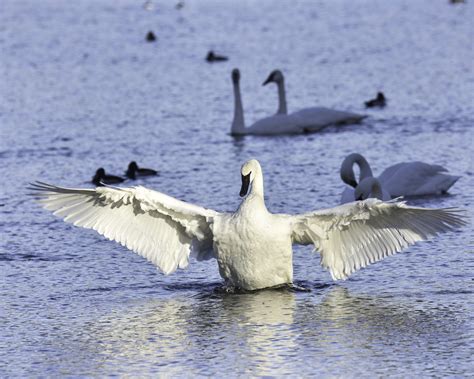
x=272, y=125
x=402, y=179
x=365, y=189
x=311, y=119
x=253, y=247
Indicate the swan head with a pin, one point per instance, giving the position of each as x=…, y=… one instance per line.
x=276, y=76
x=347, y=172
x=368, y=187
x=235, y=75
x=248, y=171
x=380, y=96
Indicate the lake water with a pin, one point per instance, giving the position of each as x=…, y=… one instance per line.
x=81, y=88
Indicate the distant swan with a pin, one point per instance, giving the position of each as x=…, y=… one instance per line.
x=314, y=118
x=252, y=246
x=133, y=171
x=100, y=178
x=402, y=179
x=369, y=187
x=273, y=125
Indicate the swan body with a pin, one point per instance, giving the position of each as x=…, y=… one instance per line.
x=273, y=125
x=315, y=118
x=252, y=246
x=367, y=188
x=402, y=179
x=417, y=179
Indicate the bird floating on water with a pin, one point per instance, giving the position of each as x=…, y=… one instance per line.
x=100, y=178
x=267, y=126
x=134, y=171
x=379, y=101
x=252, y=246
x=150, y=36
x=213, y=57
x=313, y=118
x=402, y=179
x=148, y=5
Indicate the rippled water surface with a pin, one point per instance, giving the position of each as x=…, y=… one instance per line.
x=80, y=88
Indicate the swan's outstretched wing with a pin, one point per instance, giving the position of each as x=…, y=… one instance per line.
x=356, y=234
x=160, y=228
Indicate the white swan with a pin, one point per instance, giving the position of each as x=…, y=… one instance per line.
x=314, y=118
x=273, y=125
x=252, y=246
x=401, y=179
x=367, y=188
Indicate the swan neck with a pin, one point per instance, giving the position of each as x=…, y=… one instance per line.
x=364, y=168
x=257, y=185
x=376, y=190
x=281, y=97
x=238, y=124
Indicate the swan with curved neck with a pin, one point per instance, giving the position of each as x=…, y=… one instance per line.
x=402, y=179
x=364, y=186
x=252, y=246
x=272, y=125
x=314, y=118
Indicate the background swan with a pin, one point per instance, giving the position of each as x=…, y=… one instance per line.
x=369, y=187
x=402, y=179
x=314, y=118
x=273, y=125
x=253, y=247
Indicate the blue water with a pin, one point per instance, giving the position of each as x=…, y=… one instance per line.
x=81, y=88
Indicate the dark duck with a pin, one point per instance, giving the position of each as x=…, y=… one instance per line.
x=213, y=57
x=134, y=171
x=100, y=178
x=150, y=36
x=379, y=101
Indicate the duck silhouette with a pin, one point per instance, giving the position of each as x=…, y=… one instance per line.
x=100, y=178
x=150, y=36
x=379, y=101
x=134, y=171
x=213, y=57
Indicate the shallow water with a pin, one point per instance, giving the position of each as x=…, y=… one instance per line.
x=82, y=89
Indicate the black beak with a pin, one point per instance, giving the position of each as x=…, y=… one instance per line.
x=245, y=185
x=269, y=80
x=360, y=198
x=353, y=183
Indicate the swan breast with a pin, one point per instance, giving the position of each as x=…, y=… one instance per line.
x=253, y=250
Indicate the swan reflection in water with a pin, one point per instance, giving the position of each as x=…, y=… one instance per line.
x=262, y=333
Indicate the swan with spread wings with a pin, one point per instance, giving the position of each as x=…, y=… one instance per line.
x=252, y=247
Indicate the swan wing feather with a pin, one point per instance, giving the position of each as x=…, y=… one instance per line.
x=354, y=235
x=158, y=227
